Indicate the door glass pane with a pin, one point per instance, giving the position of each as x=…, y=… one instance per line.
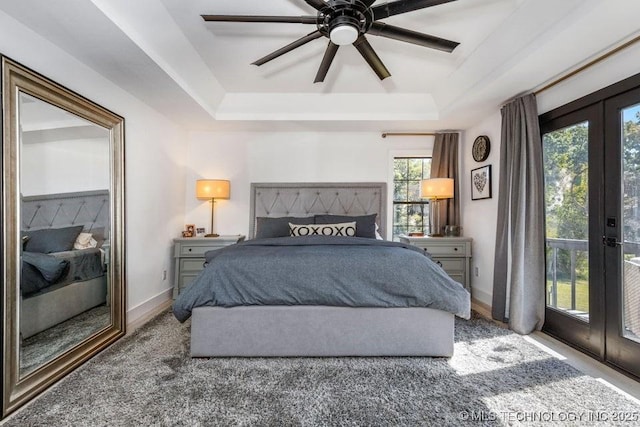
x=631, y=220
x=567, y=219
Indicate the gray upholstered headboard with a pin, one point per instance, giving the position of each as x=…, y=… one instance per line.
x=88, y=208
x=307, y=199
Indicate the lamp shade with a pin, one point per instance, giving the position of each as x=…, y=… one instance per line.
x=213, y=189
x=436, y=188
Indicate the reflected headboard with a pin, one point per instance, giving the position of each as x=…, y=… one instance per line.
x=308, y=199
x=87, y=208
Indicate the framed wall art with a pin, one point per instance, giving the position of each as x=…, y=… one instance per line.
x=481, y=183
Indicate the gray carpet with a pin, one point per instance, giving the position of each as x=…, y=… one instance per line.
x=495, y=376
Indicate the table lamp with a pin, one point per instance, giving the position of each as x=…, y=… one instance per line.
x=436, y=189
x=212, y=189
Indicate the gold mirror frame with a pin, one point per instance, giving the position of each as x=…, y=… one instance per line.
x=17, y=79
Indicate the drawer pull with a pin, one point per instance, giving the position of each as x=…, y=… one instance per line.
x=189, y=249
x=455, y=249
x=439, y=263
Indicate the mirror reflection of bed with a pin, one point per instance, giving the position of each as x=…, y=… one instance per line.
x=64, y=213
x=63, y=279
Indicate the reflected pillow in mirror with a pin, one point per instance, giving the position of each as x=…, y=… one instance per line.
x=51, y=240
x=85, y=241
x=49, y=266
x=100, y=235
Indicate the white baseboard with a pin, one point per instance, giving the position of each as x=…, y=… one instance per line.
x=481, y=297
x=143, y=312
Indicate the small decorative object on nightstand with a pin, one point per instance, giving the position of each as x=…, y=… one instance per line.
x=189, y=257
x=453, y=254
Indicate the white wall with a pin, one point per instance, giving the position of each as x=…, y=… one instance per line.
x=246, y=157
x=479, y=216
x=64, y=166
x=154, y=151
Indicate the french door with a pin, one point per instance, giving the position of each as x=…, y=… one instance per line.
x=592, y=196
x=622, y=230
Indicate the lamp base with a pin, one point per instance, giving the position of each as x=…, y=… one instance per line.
x=212, y=235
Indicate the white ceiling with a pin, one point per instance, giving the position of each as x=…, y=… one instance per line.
x=199, y=73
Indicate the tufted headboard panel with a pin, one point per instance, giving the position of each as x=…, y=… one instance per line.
x=307, y=199
x=89, y=208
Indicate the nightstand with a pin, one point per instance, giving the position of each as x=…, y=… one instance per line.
x=453, y=254
x=188, y=253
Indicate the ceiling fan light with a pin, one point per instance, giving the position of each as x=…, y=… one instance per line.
x=343, y=34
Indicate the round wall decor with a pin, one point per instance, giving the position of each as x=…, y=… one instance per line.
x=481, y=148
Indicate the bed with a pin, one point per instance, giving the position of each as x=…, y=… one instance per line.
x=267, y=328
x=58, y=281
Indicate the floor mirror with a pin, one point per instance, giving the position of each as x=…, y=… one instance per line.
x=62, y=233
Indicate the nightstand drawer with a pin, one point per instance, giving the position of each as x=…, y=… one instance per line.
x=451, y=265
x=458, y=277
x=453, y=254
x=195, y=250
x=185, y=280
x=191, y=264
x=444, y=249
x=188, y=254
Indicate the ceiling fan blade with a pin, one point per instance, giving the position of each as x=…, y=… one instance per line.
x=409, y=36
x=367, y=52
x=329, y=54
x=402, y=6
x=288, y=48
x=249, y=18
x=316, y=4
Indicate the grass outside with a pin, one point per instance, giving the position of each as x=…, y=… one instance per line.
x=564, y=294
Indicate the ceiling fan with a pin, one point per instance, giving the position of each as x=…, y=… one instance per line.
x=346, y=22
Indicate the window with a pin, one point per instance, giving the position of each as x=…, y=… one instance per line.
x=410, y=212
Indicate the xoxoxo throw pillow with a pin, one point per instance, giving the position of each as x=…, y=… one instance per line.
x=347, y=229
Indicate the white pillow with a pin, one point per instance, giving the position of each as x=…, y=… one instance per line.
x=85, y=241
x=378, y=236
x=347, y=229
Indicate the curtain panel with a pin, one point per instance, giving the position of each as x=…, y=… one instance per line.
x=519, y=270
x=444, y=164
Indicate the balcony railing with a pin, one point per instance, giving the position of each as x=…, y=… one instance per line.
x=573, y=247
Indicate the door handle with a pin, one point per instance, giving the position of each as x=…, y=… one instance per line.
x=610, y=241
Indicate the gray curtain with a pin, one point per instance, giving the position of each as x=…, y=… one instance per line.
x=519, y=271
x=444, y=164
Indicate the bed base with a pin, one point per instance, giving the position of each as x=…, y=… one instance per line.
x=319, y=331
x=42, y=311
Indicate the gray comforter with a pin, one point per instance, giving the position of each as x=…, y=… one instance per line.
x=42, y=271
x=317, y=270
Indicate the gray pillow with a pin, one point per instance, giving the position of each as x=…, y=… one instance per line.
x=278, y=227
x=51, y=240
x=49, y=266
x=365, y=224
x=31, y=281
